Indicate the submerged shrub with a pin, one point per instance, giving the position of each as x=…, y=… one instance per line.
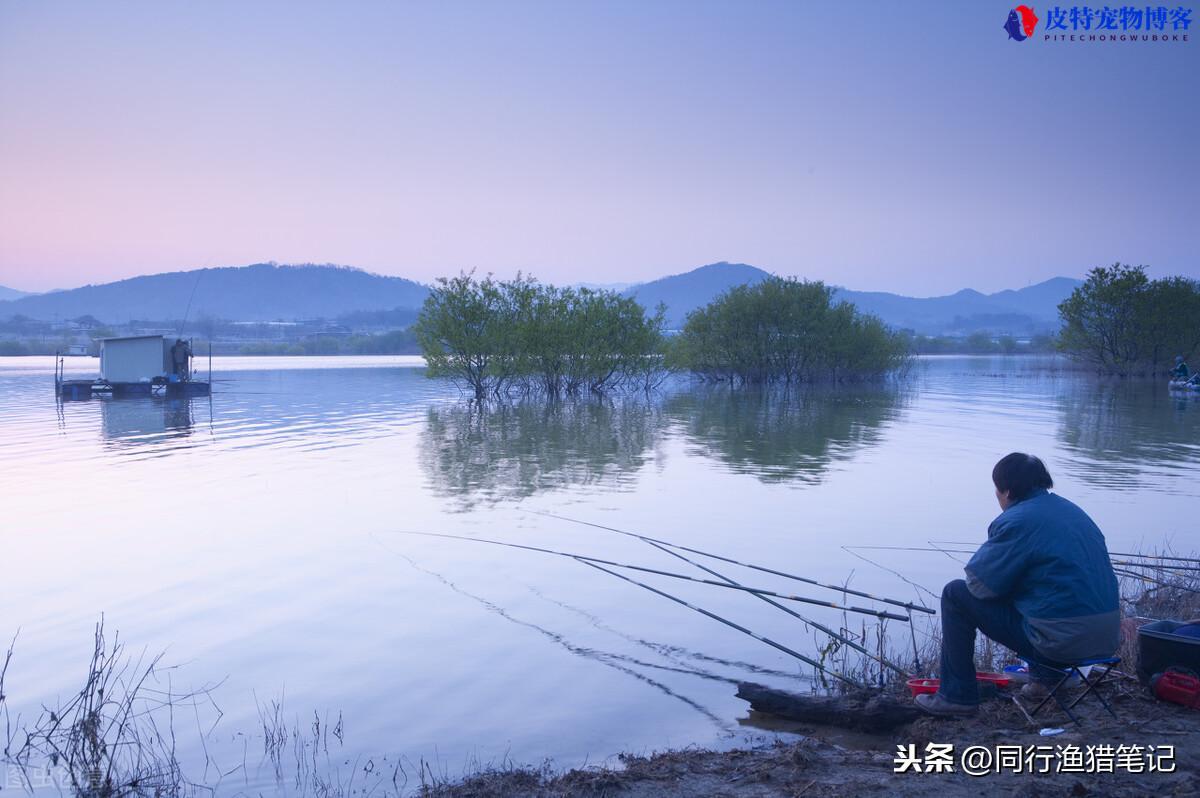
x=498, y=336
x=784, y=330
x=1123, y=323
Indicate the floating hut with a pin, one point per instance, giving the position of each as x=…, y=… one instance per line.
x=137, y=365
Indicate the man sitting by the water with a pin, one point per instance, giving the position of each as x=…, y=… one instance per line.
x=1042, y=585
x=1181, y=370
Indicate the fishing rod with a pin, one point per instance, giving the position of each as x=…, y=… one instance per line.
x=673, y=575
x=764, y=569
x=1111, y=553
x=948, y=552
x=726, y=621
x=1157, y=566
x=188, y=311
x=1159, y=582
x=821, y=627
x=807, y=660
x=1112, y=556
x=1155, y=556
x=910, y=548
x=803, y=619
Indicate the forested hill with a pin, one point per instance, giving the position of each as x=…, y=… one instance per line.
x=262, y=292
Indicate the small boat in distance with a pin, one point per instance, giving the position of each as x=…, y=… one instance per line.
x=1183, y=385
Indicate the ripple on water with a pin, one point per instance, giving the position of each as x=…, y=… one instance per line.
x=239, y=531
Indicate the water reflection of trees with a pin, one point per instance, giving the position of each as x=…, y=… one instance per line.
x=783, y=436
x=1136, y=432
x=486, y=453
x=509, y=451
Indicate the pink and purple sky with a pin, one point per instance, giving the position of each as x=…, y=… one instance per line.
x=887, y=146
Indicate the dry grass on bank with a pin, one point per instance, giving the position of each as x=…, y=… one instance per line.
x=115, y=737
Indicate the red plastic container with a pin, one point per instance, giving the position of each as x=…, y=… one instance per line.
x=919, y=686
x=998, y=679
x=1178, y=687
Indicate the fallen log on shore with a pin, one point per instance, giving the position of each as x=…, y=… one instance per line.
x=866, y=710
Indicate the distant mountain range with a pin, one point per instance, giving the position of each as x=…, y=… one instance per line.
x=262, y=292
x=1026, y=310
x=267, y=292
x=7, y=293
x=683, y=293
x=1030, y=310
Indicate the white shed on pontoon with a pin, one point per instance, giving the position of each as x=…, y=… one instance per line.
x=138, y=358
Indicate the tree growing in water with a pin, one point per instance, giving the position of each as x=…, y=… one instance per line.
x=784, y=330
x=466, y=332
x=1121, y=322
x=500, y=336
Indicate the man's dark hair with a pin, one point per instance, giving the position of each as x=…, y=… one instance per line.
x=1020, y=474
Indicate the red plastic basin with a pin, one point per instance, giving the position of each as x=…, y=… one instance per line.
x=919, y=686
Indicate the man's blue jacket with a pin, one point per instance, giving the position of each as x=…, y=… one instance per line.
x=1045, y=556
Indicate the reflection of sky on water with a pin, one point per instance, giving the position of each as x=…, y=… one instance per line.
x=1126, y=438
x=253, y=535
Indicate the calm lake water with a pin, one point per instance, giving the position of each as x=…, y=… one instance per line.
x=257, y=538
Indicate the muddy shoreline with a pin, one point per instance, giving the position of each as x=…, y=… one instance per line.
x=833, y=762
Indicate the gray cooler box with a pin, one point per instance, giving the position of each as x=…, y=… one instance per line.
x=1161, y=645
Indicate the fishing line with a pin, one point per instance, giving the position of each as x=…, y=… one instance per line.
x=605, y=658
x=848, y=550
x=949, y=553
x=676, y=654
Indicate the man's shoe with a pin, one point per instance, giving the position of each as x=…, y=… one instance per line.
x=935, y=704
